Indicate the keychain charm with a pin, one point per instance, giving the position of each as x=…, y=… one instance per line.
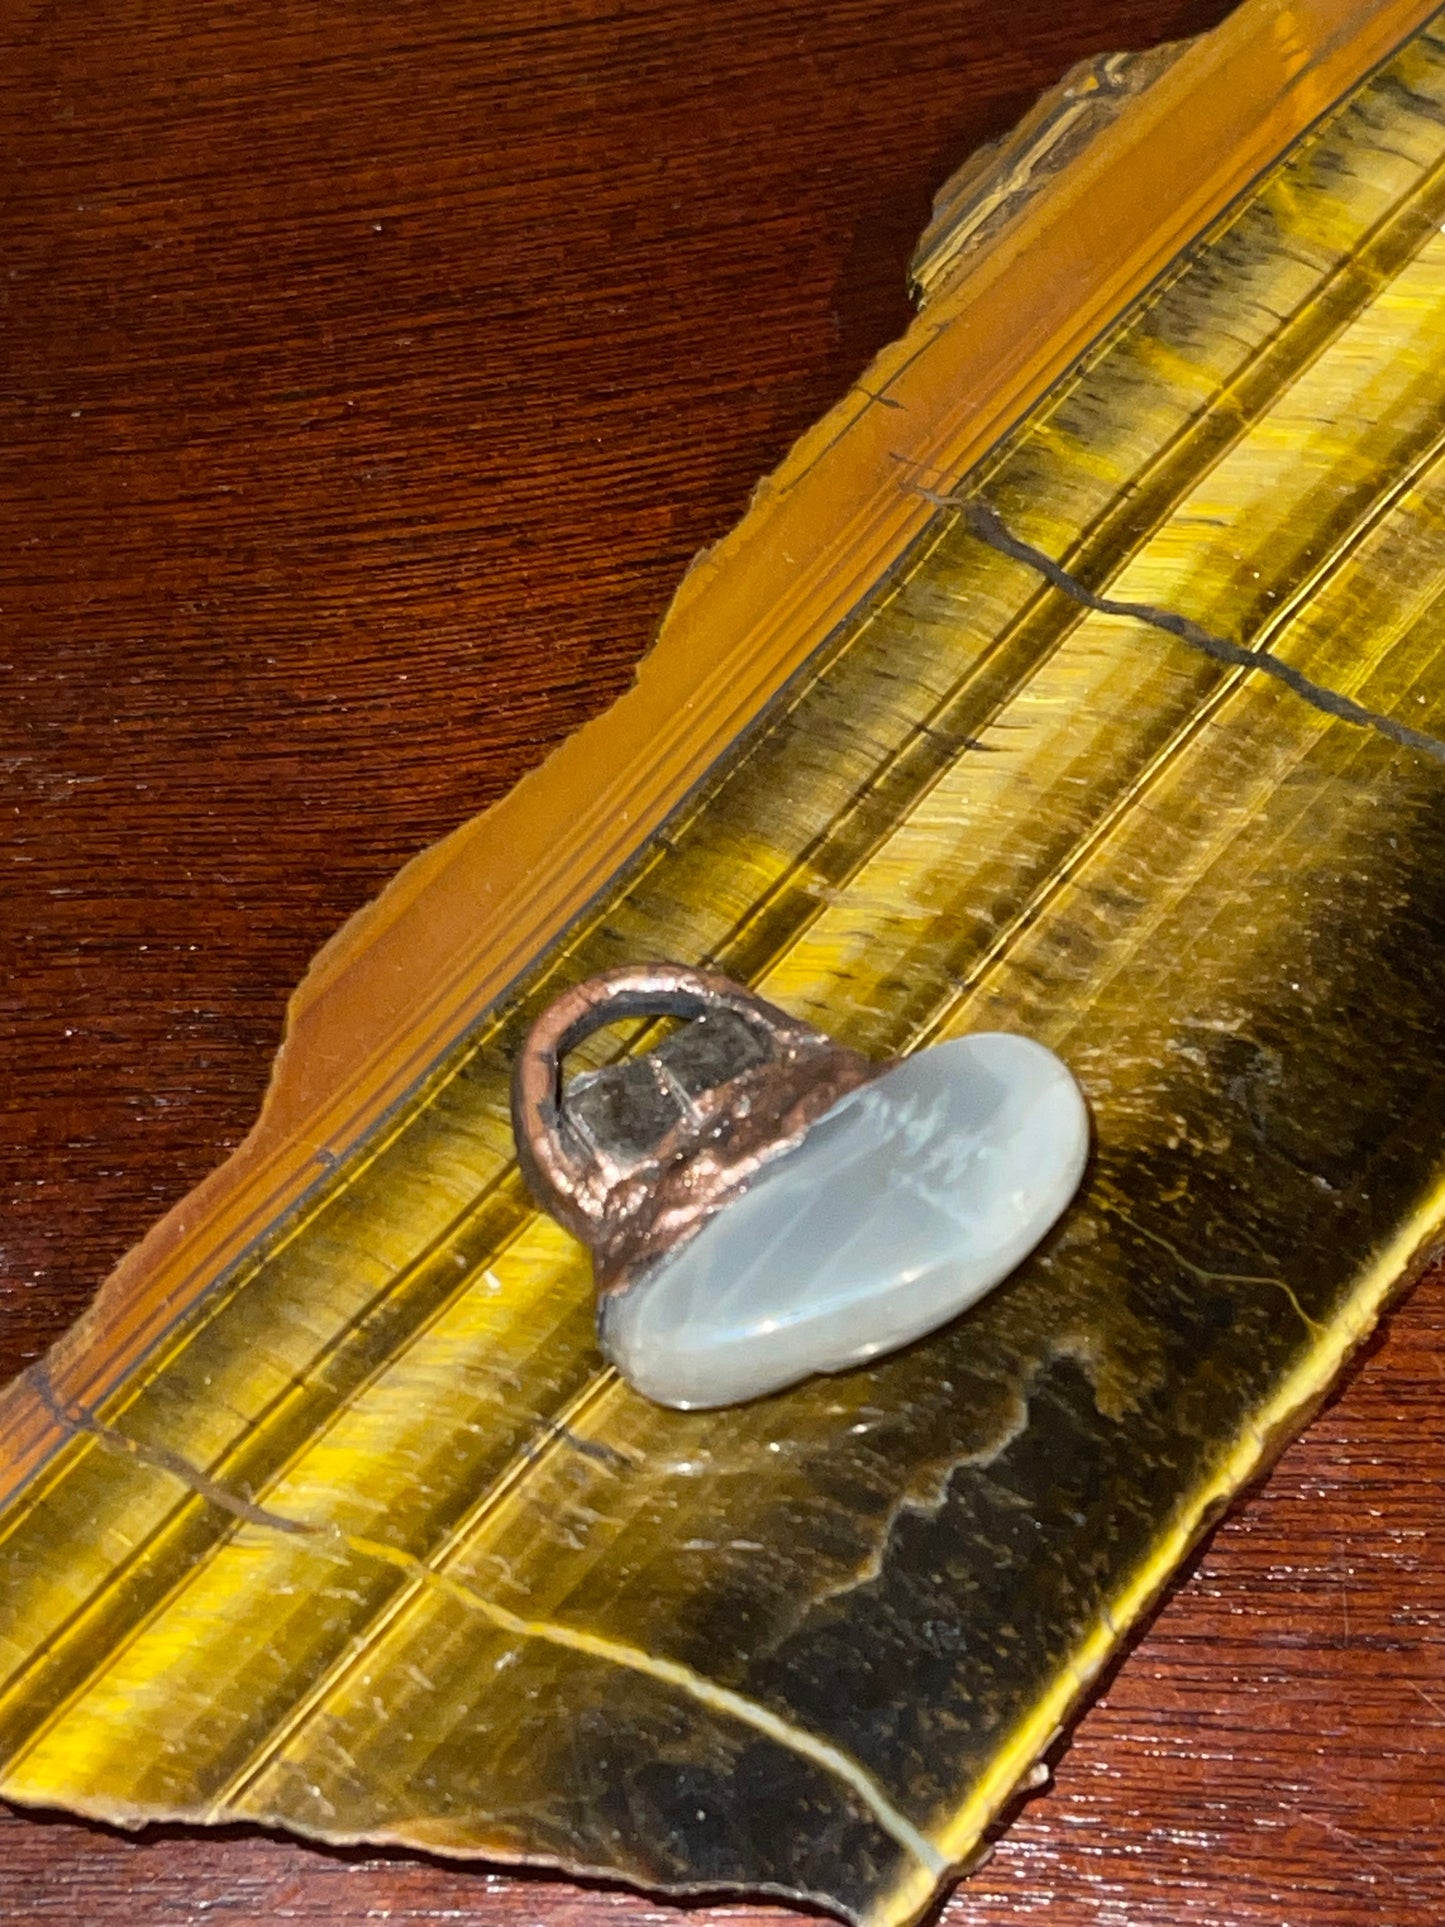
x=762, y=1203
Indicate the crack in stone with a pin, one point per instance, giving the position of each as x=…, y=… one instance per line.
x=986, y=523
x=925, y=1497
x=74, y=1419
x=1206, y=1276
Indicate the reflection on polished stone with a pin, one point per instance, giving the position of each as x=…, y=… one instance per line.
x=907, y=1202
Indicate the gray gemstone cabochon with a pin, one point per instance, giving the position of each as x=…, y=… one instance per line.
x=903, y=1205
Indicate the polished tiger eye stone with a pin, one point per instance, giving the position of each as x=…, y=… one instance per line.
x=904, y=1204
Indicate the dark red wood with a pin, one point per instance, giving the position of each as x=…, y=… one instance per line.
x=370, y=376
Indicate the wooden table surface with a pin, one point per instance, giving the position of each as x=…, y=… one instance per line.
x=370, y=376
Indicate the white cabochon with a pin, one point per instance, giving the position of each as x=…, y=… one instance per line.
x=905, y=1203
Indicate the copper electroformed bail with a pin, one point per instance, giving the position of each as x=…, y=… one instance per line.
x=635, y=1158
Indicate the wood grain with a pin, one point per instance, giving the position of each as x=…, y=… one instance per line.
x=369, y=383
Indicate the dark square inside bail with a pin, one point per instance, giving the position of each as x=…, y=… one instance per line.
x=626, y=1109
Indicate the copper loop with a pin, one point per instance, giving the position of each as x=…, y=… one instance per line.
x=631, y=1216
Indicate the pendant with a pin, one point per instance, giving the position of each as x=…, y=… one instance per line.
x=763, y=1204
